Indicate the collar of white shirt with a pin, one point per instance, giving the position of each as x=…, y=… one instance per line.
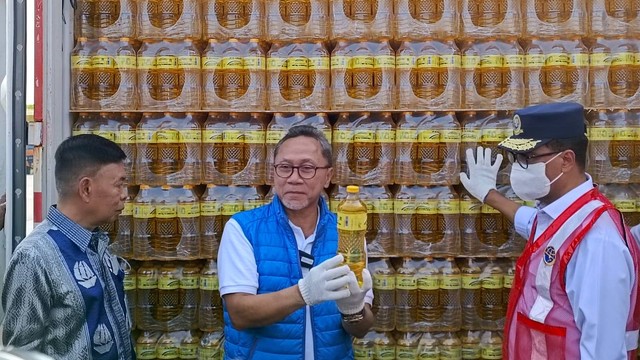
x=557, y=207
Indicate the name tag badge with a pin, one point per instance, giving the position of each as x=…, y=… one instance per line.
x=306, y=260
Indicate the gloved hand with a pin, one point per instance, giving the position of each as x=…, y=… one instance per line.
x=325, y=282
x=355, y=302
x=482, y=175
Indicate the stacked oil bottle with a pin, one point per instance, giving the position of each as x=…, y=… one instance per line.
x=198, y=93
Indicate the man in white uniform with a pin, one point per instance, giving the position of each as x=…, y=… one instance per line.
x=286, y=294
x=575, y=285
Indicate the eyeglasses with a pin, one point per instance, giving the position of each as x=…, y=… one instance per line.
x=523, y=159
x=304, y=171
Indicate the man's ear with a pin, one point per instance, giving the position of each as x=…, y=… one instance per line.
x=84, y=189
x=568, y=160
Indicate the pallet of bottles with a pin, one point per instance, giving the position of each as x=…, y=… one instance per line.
x=188, y=344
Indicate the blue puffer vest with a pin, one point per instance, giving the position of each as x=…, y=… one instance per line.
x=276, y=253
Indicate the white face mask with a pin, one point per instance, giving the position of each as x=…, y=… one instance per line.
x=532, y=183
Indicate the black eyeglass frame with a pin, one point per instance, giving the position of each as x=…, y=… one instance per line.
x=519, y=158
x=297, y=168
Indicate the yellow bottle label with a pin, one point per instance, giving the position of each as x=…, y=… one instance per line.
x=491, y=61
x=427, y=207
x=449, y=206
x=362, y=353
x=450, y=61
x=210, y=208
x=252, y=204
x=557, y=59
x=231, y=207
x=147, y=62
x=327, y=135
x=385, y=136
x=450, y=282
x=167, y=351
x=354, y=222
x=600, y=133
x=470, y=61
x=102, y=62
x=190, y=136
x=147, y=282
x=189, y=282
x=188, y=351
x=579, y=60
x=210, y=136
x=535, y=60
x=514, y=61
x=144, y=136
x=168, y=282
x=364, y=136
x=129, y=282
x=471, y=135
x=405, y=62
x=209, y=354
x=125, y=137
x=471, y=281
x=486, y=209
x=471, y=352
x=508, y=281
x=491, y=352
x=145, y=351
x=385, y=352
x=429, y=136
x=384, y=62
x=470, y=207
x=144, y=211
x=623, y=58
x=211, y=62
x=428, y=61
x=255, y=63
x=166, y=211
x=297, y=63
x=232, y=63
x=384, y=282
x=382, y=206
x=637, y=58
x=81, y=62
x=600, y=59
x=189, y=62
x=254, y=136
x=127, y=210
x=430, y=353
x=625, y=133
x=339, y=62
x=450, y=353
x=451, y=136
x=274, y=136
x=493, y=282
x=431, y=282
x=107, y=134
x=403, y=135
x=319, y=63
x=276, y=63
x=403, y=353
x=342, y=136
x=404, y=206
x=625, y=205
x=189, y=210
x=333, y=205
x=406, y=282
x=167, y=136
x=166, y=62
x=209, y=282
x=232, y=136
x=361, y=62
x=493, y=135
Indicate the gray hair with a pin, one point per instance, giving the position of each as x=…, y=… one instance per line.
x=307, y=131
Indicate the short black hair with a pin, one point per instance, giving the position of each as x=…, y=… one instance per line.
x=83, y=155
x=578, y=145
x=308, y=131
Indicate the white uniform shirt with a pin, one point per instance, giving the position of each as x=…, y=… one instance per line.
x=599, y=278
x=238, y=271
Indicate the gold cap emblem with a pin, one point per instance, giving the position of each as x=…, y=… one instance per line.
x=517, y=125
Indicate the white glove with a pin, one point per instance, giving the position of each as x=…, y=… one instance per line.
x=325, y=282
x=482, y=175
x=355, y=302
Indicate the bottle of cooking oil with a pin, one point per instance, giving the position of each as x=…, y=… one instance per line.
x=622, y=154
x=83, y=20
x=494, y=127
x=380, y=226
x=611, y=18
x=189, y=282
x=188, y=207
x=125, y=137
x=450, y=285
x=549, y=18
x=600, y=133
x=169, y=19
x=470, y=340
x=210, y=308
x=425, y=222
x=384, y=293
x=169, y=75
x=130, y=292
x=384, y=345
x=146, y=345
x=239, y=19
x=436, y=160
x=404, y=209
x=481, y=18
x=363, y=348
x=429, y=346
x=281, y=123
x=492, y=224
x=448, y=203
x=211, y=346
x=407, y=345
x=113, y=69
x=406, y=295
x=599, y=63
x=623, y=71
x=189, y=345
x=165, y=238
x=509, y=277
x=491, y=345
x=429, y=307
x=147, y=295
x=297, y=19
x=450, y=346
x=108, y=18
x=492, y=308
x=210, y=223
x=169, y=302
x=123, y=242
x=470, y=223
x=143, y=223
x=353, y=19
x=168, y=346
x=82, y=76
x=352, y=227
x=406, y=147
x=470, y=293
x=427, y=18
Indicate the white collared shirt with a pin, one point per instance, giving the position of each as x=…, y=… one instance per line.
x=599, y=277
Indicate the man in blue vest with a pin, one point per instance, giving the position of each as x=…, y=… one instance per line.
x=286, y=294
x=63, y=292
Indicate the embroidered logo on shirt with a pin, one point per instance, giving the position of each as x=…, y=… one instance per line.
x=84, y=275
x=549, y=256
x=111, y=262
x=102, y=339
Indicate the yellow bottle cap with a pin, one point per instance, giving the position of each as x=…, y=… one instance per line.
x=353, y=189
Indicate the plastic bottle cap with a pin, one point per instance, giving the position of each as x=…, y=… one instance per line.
x=353, y=189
